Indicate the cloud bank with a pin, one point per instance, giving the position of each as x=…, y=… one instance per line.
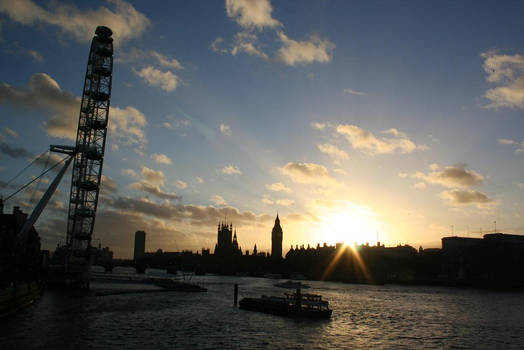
x=370, y=144
x=308, y=173
x=45, y=96
x=452, y=177
x=507, y=73
x=251, y=14
x=125, y=21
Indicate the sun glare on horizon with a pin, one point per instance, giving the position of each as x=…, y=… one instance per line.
x=348, y=223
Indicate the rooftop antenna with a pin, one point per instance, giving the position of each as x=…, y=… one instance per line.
x=495, y=222
x=377, y=238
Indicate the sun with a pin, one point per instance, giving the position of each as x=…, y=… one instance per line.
x=348, y=224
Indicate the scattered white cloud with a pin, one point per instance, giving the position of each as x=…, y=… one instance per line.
x=151, y=182
x=308, y=173
x=155, y=177
x=126, y=126
x=465, y=197
x=506, y=142
x=340, y=171
x=251, y=14
x=395, y=132
x=165, y=61
x=313, y=50
x=333, y=151
x=372, y=145
x=267, y=201
x=285, y=202
x=6, y=132
x=278, y=187
x=225, y=129
x=42, y=93
x=403, y=175
x=14, y=152
x=456, y=176
x=420, y=185
x=246, y=42
x=231, y=170
x=319, y=126
x=507, y=72
x=137, y=55
x=200, y=180
x=108, y=184
x=181, y=123
x=255, y=15
x=434, y=166
x=167, y=81
x=154, y=190
x=181, y=184
x=35, y=55
x=353, y=92
x=521, y=185
x=161, y=158
x=282, y=202
x=518, y=146
x=433, y=139
x=125, y=21
x=216, y=45
x=177, y=123
x=131, y=173
x=218, y=200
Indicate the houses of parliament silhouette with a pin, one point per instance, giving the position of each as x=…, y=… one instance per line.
x=227, y=242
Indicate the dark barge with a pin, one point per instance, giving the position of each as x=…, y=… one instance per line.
x=292, y=305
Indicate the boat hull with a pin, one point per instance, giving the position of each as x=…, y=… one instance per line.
x=282, y=309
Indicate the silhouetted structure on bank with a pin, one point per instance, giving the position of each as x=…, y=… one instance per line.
x=103, y=257
x=19, y=261
x=359, y=264
x=140, y=245
x=227, y=243
x=495, y=260
x=276, y=241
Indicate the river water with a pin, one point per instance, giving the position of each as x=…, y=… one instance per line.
x=364, y=317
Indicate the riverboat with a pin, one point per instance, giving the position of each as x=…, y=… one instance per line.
x=298, y=304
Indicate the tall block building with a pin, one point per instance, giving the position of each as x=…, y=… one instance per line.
x=140, y=245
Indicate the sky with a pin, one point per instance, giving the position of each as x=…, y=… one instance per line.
x=355, y=121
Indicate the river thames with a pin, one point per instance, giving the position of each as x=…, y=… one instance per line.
x=364, y=316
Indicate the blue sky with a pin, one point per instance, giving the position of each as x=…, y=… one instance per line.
x=348, y=118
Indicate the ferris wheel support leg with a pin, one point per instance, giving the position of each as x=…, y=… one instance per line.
x=21, y=237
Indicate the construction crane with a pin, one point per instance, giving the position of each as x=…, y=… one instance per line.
x=87, y=157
